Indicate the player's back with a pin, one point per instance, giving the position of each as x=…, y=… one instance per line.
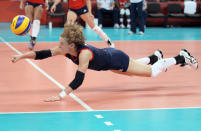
x=103, y=59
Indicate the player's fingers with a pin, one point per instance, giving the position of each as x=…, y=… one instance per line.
x=53, y=9
x=48, y=100
x=13, y=59
x=52, y=99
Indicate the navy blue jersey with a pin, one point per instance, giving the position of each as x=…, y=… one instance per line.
x=104, y=59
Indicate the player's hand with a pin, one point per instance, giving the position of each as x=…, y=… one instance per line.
x=15, y=58
x=53, y=9
x=53, y=99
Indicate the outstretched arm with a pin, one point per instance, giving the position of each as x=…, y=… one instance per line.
x=84, y=58
x=37, y=54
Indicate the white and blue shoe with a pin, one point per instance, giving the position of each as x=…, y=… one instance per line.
x=32, y=44
x=189, y=59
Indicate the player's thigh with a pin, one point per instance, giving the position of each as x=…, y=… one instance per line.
x=122, y=73
x=71, y=16
x=38, y=12
x=138, y=68
x=88, y=19
x=29, y=11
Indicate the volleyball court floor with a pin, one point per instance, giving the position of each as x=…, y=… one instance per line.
x=106, y=101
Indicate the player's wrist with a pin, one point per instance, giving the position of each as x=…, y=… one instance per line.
x=62, y=94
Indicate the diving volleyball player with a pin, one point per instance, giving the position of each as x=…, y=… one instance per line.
x=72, y=45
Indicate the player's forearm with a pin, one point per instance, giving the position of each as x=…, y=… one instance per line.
x=79, y=77
x=29, y=55
x=38, y=55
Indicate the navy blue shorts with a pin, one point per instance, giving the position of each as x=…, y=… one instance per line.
x=119, y=60
x=80, y=11
x=34, y=4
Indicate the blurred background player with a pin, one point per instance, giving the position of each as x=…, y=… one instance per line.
x=144, y=10
x=83, y=9
x=136, y=9
x=105, y=7
x=34, y=11
x=124, y=10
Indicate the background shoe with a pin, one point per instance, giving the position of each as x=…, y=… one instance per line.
x=100, y=25
x=31, y=44
x=131, y=32
x=111, y=45
x=189, y=60
x=116, y=25
x=122, y=26
x=141, y=33
x=128, y=26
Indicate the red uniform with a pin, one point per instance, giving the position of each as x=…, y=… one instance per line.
x=122, y=3
x=37, y=1
x=76, y=4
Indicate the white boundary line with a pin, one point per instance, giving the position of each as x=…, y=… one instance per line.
x=49, y=77
x=175, y=108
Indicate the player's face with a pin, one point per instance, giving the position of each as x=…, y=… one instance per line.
x=64, y=45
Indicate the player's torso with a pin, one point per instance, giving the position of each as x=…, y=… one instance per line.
x=76, y=4
x=37, y=1
x=100, y=58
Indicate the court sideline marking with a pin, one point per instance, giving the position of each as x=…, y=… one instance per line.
x=88, y=108
x=100, y=116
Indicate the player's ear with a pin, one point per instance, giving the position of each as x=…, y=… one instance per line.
x=72, y=45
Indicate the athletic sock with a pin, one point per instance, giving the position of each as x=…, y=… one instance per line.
x=100, y=32
x=162, y=65
x=36, y=28
x=144, y=60
x=153, y=59
x=179, y=59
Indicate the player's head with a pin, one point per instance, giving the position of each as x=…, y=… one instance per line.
x=72, y=35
